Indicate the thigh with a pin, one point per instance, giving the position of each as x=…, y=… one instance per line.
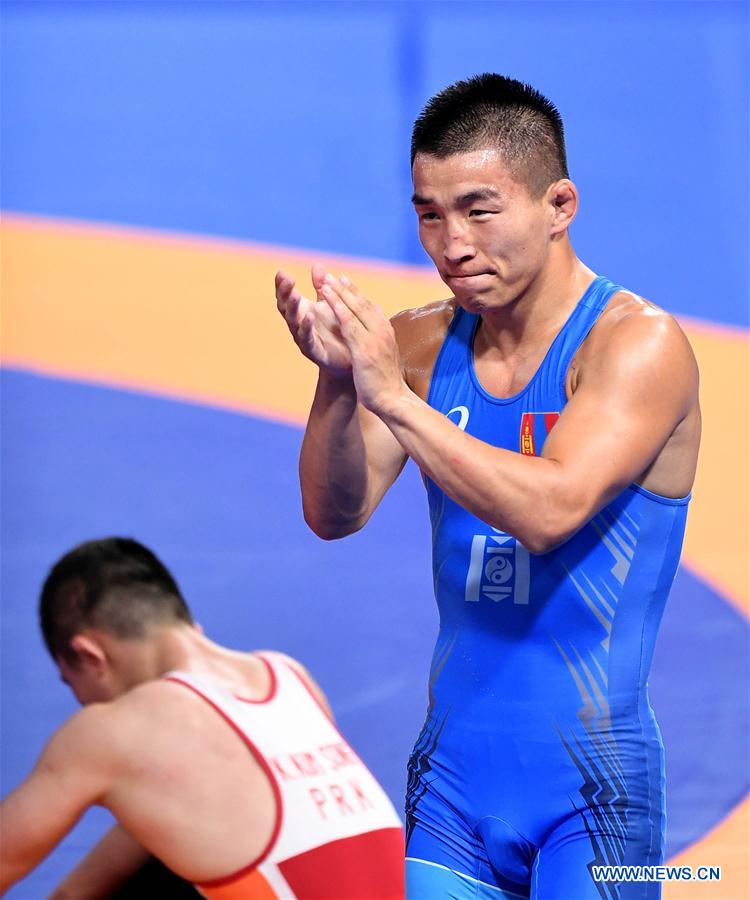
x=442, y=855
x=453, y=849
x=446, y=860
x=429, y=881
x=564, y=867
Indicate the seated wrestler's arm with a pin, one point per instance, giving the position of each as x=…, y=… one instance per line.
x=631, y=397
x=111, y=862
x=74, y=771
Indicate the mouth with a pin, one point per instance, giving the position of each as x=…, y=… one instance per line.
x=472, y=280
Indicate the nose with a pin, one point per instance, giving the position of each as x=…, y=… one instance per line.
x=457, y=245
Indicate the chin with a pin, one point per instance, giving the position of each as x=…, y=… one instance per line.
x=471, y=304
x=480, y=303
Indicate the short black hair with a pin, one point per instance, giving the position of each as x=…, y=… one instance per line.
x=494, y=111
x=115, y=584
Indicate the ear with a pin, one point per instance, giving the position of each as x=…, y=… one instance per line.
x=563, y=199
x=89, y=651
x=198, y=627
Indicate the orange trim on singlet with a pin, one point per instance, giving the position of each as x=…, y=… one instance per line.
x=272, y=689
x=261, y=760
x=252, y=885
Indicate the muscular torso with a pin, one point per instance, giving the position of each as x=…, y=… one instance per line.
x=420, y=334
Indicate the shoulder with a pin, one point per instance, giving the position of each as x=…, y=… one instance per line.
x=276, y=656
x=89, y=725
x=154, y=705
x=119, y=728
x=76, y=769
x=629, y=317
x=88, y=740
x=422, y=322
x=634, y=334
x=152, y=721
x=303, y=674
x=420, y=333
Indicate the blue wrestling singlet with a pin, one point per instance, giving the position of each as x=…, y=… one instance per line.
x=540, y=757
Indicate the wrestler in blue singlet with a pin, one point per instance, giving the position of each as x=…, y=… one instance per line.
x=540, y=756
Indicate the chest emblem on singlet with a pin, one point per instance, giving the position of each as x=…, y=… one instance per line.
x=498, y=568
x=535, y=426
x=463, y=416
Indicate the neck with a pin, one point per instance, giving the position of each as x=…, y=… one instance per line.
x=541, y=308
x=186, y=648
x=166, y=649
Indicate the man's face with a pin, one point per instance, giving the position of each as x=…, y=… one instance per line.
x=488, y=237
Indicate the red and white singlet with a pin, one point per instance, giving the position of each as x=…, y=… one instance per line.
x=337, y=835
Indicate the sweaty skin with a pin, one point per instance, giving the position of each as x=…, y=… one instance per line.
x=632, y=386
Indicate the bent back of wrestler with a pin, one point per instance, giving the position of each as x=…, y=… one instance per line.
x=226, y=766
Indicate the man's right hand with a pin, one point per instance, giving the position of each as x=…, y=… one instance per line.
x=313, y=324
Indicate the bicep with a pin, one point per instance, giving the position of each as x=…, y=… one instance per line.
x=626, y=408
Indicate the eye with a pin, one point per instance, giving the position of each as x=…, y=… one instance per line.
x=476, y=213
x=428, y=217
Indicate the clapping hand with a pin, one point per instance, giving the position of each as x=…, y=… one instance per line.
x=313, y=324
x=369, y=339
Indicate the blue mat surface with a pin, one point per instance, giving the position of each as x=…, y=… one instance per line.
x=226, y=518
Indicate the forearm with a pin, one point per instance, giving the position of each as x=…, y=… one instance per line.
x=333, y=461
x=523, y=496
x=115, y=859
